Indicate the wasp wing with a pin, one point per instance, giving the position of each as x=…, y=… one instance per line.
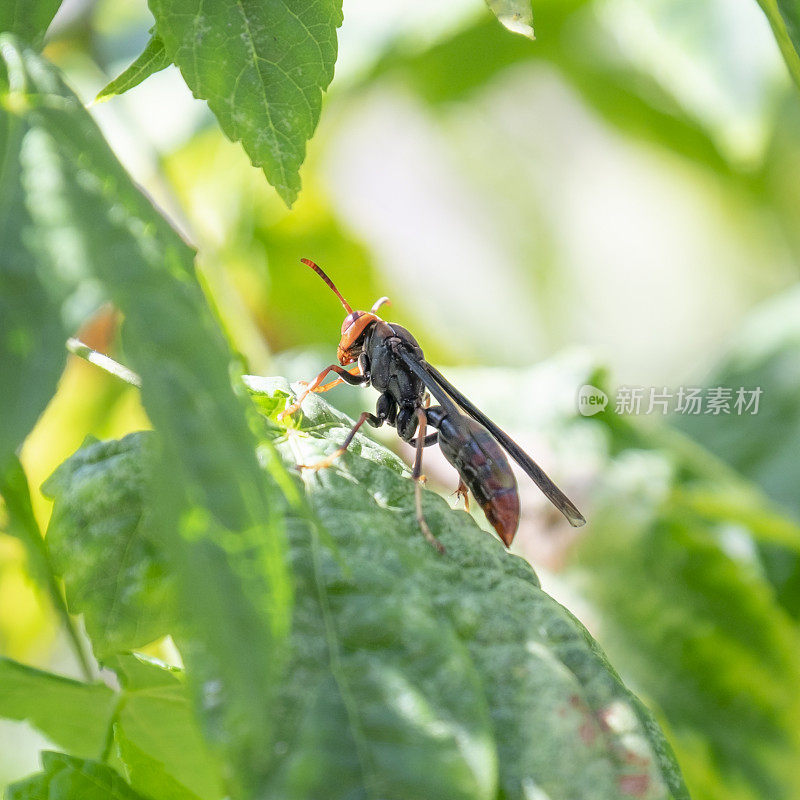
x=448, y=396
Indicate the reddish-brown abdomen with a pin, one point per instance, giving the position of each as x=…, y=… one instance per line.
x=483, y=466
x=502, y=511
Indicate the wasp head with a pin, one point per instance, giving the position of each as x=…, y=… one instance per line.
x=356, y=323
x=354, y=329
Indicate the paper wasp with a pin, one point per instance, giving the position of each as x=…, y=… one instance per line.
x=388, y=358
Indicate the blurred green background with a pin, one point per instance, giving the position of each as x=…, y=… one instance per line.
x=616, y=203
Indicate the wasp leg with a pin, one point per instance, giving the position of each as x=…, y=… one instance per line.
x=418, y=479
x=376, y=422
x=346, y=377
x=462, y=491
x=328, y=386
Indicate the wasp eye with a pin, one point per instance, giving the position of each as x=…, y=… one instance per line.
x=350, y=319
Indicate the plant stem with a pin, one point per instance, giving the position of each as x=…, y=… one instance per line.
x=22, y=524
x=78, y=348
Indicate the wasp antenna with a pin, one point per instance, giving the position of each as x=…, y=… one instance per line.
x=378, y=303
x=309, y=263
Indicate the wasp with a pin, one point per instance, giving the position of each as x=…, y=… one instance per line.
x=384, y=355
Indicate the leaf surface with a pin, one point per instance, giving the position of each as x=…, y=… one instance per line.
x=210, y=499
x=73, y=715
x=152, y=59
x=765, y=356
x=66, y=778
x=150, y=721
x=563, y=722
x=22, y=524
x=414, y=675
x=28, y=19
x=784, y=19
x=158, y=736
x=670, y=570
x=32, y=331
x=715, y=652
x=262, y=67
x=101, y=541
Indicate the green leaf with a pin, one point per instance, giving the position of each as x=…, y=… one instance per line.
x=765, y=354
x=67, y=778
x=152, y=59
x=262, y=67
x=157, y=734
x=212, y=503
x=669, y=575
x=412, y=675
x=516, y=15
x=102, y=543
x=382, y=698
x=784, y=19
x=563, y=723
x=28, y=19
x=150, y=721
x=628, y=99
x=704, y=638
x=790, y=11
x=75, y=716
x=22, y=523
x=31, y=329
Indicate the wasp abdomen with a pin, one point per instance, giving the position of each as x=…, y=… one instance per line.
x=483, y=467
